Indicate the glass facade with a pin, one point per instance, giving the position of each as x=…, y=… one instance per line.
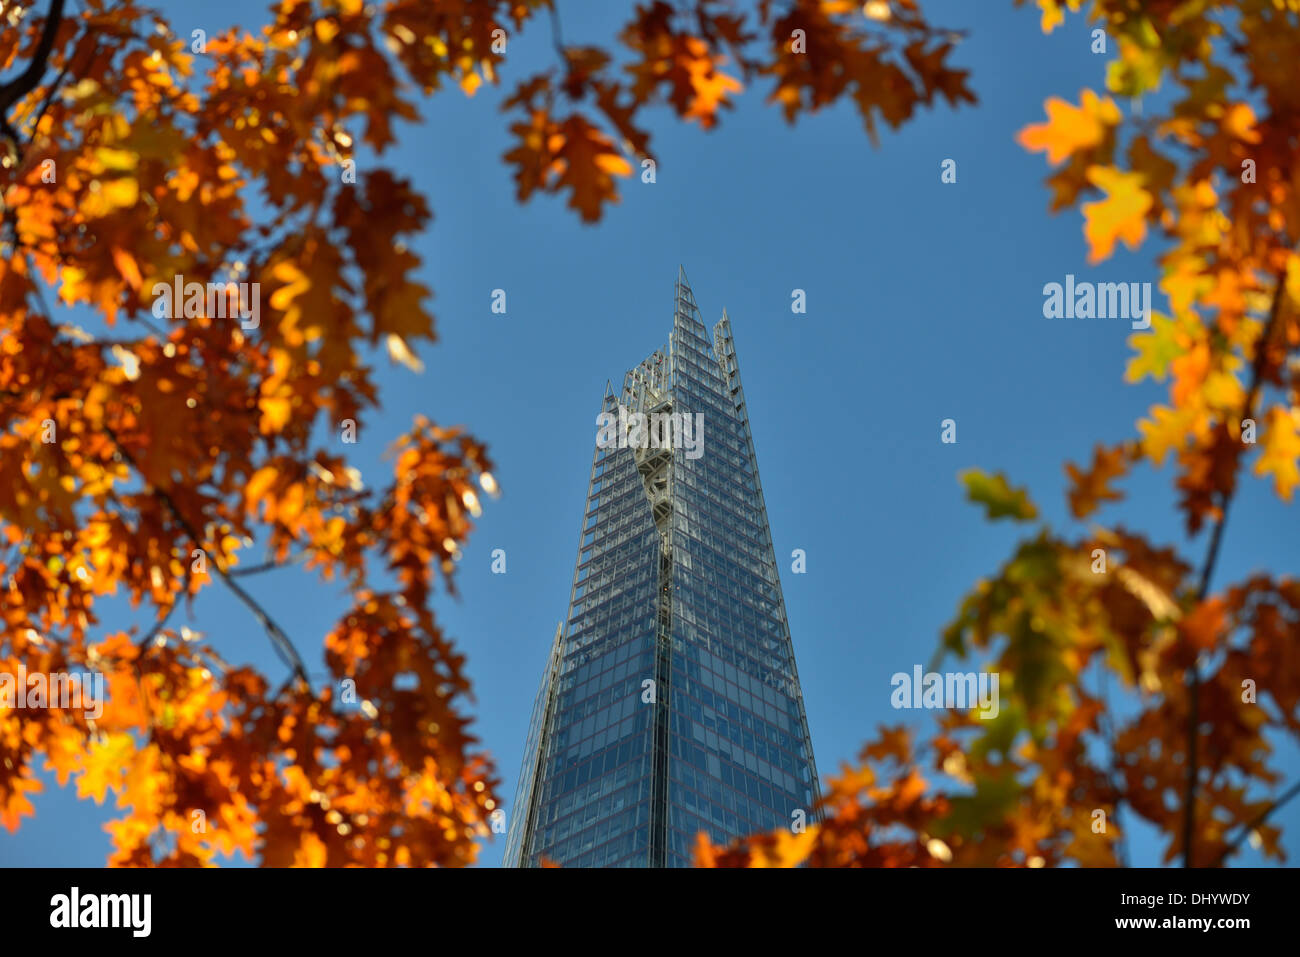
x=670, y=703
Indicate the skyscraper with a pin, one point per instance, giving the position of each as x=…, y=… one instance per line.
x=670, y=703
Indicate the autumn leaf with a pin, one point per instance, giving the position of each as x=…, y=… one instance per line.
x=1239, y=122
x=112, y=195
x=127, y=266
x=704, y=853
x=1053, y=12
x=106, y=764
x=590, y=162
x=1120, y=216
x=999, y=499
x=1156, y=348
x=1280, y=450
x=14, y=801
x=1167, y=430
x=894, y=742
x=789, y=849
x=712, y=87
x=1089, y=489
x=1204, y=626
x=1070, y=129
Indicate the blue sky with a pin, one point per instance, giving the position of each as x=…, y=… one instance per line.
x=924, y=303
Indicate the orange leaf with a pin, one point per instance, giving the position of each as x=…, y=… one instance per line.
x=1206, y=624
x=127, y=267
x=591, y=161
x=1069, y=128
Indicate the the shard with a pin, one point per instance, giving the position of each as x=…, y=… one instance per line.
x=670, y=702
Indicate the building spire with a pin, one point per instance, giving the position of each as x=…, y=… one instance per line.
x=643, y=592
x=686, y=314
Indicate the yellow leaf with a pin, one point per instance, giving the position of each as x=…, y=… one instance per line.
x=1155, y=348
x=121, y=193
x=790, y=850
x=106, y=158
x=1292, y=284
x=295, y=284
x=257, y=486
x=105, y=765
x=110, y=195
x=1223, y=390
x=1121, y=215
x=1053, y=15
x=276, y=412
x=1167, y=429
x=1281, y=448
x=1185, y=283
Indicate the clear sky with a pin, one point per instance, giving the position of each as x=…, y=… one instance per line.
x=924, y=303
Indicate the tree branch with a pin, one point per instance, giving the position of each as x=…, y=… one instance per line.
x=1207, y=570
x=1258, y=820
x=20, y=86
x=54, y=87
x=279, y=640
x=267, y=566
x=156, y=630
x=1106, y=725
x=49, y=96
x=557, y=35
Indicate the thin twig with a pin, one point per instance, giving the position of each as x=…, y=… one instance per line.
x=267, y=566
x=279, y=640
x=557, y=34
x=49, y=97
x=1259, y=819
x=157, y=628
